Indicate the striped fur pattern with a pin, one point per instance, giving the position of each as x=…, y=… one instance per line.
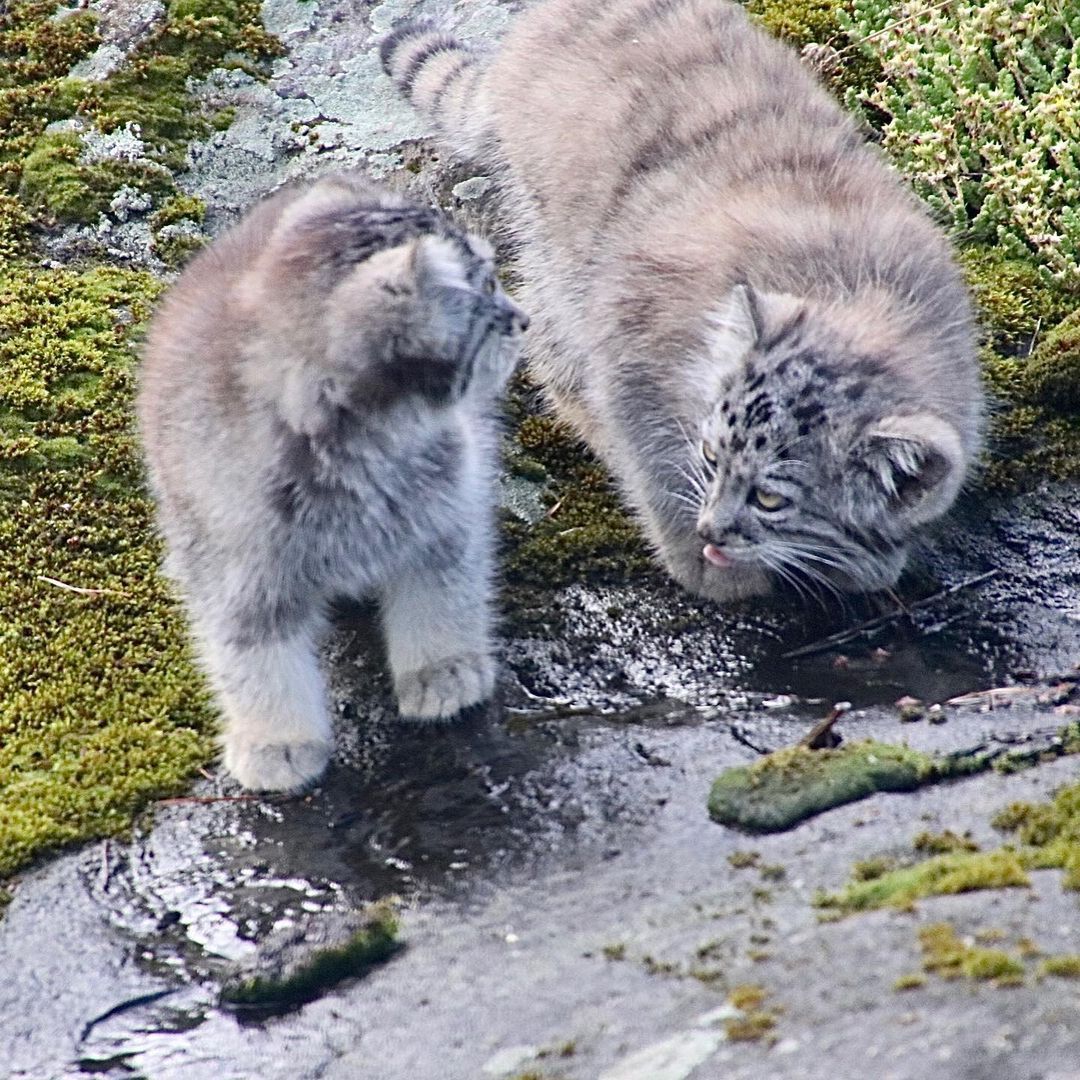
x=317, y=409
x=735, y=301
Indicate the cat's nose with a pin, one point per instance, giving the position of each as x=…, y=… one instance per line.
x=516, y=319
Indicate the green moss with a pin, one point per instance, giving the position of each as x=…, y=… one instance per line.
x=1032, y=367
x=756, y=1022
x=740, y=860
x=939, y=876
x=872, y=869
x=790, y=785
x=586, y=534
x=911, y=981
x=1049, y=833
x=750, y=1028
x=150, y=90
x=373, y=944
x=179, y=208
x=820, y=22
x=945, y=954
x=36, y=53
x=174, y=249
x=1052, y=378
x=942, y=843
x=100, y=708
x=1015, y=299
x=57, y=184
x=1067, y=966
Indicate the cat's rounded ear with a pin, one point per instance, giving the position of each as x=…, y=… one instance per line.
x=917, y=461
x=436, y=263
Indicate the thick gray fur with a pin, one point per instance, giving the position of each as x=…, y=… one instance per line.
x=735, y=301
x=317, y=408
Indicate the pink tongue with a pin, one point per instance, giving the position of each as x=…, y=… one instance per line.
x=714, y=555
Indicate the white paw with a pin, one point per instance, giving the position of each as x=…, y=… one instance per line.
x=275, y=766
x=442, y=690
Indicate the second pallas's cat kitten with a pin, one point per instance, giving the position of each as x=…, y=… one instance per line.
x=735, y=301
x=317, y=410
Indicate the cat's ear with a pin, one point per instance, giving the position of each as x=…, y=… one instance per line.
x=736, y=323
x=436, y=264
x=747, y=318
x=917, y=461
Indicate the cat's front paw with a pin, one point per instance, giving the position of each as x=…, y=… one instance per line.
x=276, y=766
x=442, y=690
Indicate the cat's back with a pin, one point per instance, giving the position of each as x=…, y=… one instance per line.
x=598, y=105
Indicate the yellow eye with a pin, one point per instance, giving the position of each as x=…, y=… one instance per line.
x=708, y=453
x=768, y=500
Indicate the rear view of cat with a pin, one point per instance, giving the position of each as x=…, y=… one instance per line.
x=735, y=302
x=316, y=406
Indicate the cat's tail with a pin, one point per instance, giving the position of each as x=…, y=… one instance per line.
x=441, y=77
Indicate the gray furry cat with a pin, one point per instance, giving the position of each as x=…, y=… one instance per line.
x=316, y=405
x=734, y=300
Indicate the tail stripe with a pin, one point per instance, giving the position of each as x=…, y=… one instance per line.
x=408, y=75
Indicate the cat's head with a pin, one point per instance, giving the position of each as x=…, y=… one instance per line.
x=383, y=298
x=816, y=462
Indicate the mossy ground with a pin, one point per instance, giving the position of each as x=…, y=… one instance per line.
x=790, y=785
x=585, y=535
x=100, y=707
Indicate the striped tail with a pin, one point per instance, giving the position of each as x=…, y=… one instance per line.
x=439, y=75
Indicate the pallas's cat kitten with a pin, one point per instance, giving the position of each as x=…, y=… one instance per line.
x=317, y=411
x=735, y=301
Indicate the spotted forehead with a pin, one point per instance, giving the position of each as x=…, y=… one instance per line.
x=791, y=397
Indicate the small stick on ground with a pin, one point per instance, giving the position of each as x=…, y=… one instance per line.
x=737, y=734
x=890, y=617
x=79, y=589
x=821, y=736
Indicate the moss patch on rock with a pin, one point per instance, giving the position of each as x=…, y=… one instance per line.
x=788, y=786
x=1045, y=836
x=946, y=954
x=942, y=875
x=324, y=969
x=101, y=709
x=151, y=92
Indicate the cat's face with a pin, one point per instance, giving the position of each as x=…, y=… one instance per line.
x=811, y=467
x=378, y=300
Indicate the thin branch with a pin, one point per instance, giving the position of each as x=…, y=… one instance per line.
x=821, y=736
x=890, y=617
x=78, y=589
x=736, y=733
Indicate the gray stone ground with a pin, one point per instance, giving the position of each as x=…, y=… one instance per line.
x=570, y=820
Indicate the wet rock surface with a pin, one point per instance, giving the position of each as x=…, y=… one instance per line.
x=568, y=910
